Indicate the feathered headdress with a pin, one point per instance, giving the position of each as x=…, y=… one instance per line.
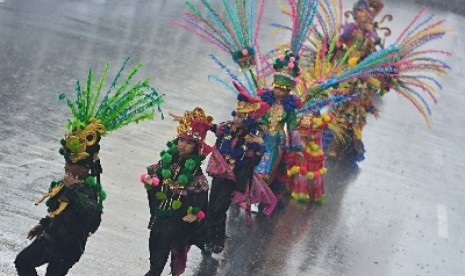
x=235, y=33
x=286, y=65
x=287, y=70
x=93, y=117
x=253, y=107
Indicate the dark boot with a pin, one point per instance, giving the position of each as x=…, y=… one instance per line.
x=220, y=237
x=219, y=245
x=207, y=249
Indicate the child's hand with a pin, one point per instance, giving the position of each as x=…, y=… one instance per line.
x=35, y=231
x=70, y=180
x=251, y=138
x=190, y=218
x=175, y=117
x=148, y=180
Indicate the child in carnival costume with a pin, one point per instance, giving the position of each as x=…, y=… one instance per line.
x=306, y=170
x=364, y=13
x=75, y=203
x=236, y=34
x=178, y=194
x=406, y=69
x=237, y=151
x=280, y=131
x=359, y=39
x=351, y=117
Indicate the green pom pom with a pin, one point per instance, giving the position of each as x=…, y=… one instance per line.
x=176, y=204
x=183, y=179
x=74, y=146
x=190, y=164
x=192, y=210
x=164, y=212
x=54, y=183
x=160, y=196
x=103, y=195
x=167, y=158
x=162, y=153
x=61, y=151
x=63, y=142
x=90, y=181
x=166, y=173
x=169, y=144
x=147, y=186
x=51, y=204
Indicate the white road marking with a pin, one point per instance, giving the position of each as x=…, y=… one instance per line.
x=443, y=227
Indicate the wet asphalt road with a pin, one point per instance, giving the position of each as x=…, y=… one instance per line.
x=400, y=212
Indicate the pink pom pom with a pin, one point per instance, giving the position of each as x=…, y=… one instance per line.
x=292, y=59
x=245, y=52
x=200, y=215
x=155, y=181
x=291, y=65
x=281, y=57
x=142, y=177
x=297, y=80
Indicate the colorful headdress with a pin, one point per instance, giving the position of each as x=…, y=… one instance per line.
x=81, y=145
x=194, y=125
x=90, y=120
x=231, y=27
x=374, y=7
x=247, y=104
x=235, y=33
x=360, y=5
x=287, y=69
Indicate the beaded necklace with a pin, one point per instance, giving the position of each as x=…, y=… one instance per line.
x=175, y=175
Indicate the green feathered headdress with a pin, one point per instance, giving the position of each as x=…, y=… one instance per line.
x=94, y=113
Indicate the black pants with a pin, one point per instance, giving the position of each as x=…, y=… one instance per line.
x=37, y=254
x=221, y=193
x=165, y=234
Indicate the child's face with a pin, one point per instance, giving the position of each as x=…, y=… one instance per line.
x=185, y=146
x=239, y=119
x=76, y=170
x=280, y=93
